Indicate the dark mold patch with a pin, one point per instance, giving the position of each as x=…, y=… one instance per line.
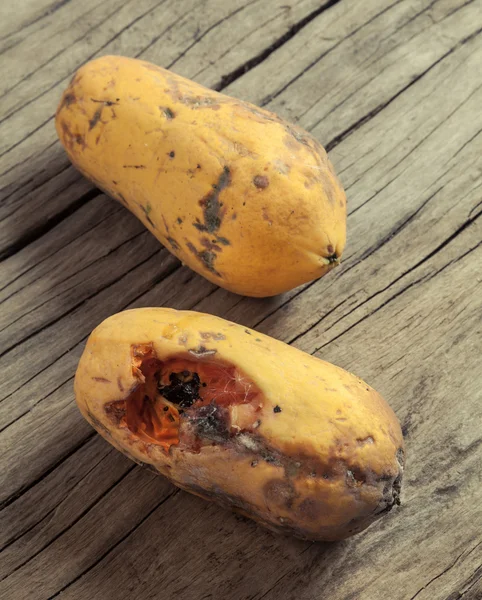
x=183, y=388
x=172, y=154
x=277, y=409
x=179, y=220
x=261, y=181
x=211, y=205
x=206, y=257
x=211, y=422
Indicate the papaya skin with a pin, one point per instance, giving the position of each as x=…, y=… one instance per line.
x=297, y=444
x=242, y=197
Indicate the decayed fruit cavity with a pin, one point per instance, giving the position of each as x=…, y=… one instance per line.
x=185, y=402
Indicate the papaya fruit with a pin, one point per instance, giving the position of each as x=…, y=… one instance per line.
x=242, y=197
x=293, y=442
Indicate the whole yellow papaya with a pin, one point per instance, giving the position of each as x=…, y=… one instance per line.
x=231, y=415
x=247, y=200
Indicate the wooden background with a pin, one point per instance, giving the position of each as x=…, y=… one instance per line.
x=393, y=89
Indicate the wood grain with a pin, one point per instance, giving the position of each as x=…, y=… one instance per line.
x=393, y=89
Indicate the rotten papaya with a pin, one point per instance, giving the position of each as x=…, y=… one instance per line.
x=244, y=198
x=234, y=416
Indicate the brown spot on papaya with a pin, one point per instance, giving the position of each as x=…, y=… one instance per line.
x=96, y=118
x=134, y=167
x=280, y=493
x=116, y=411
x=179, y=220
x=210, y=245
x=309, y=509
x=174, y=244
x=222, y=240
x=206, y=257
x=172, y=154
x=211, y=335
x=119, y=384
x=261, y=181
x=101, y=379
x=330, y=249
x=211, y=205
x=68, y=99
x=167, y=112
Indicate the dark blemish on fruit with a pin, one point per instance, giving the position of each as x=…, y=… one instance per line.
x=211, y=205
x=179, y=220
x=234, y=217
x=330, y=249
x=119, y=384
x=101, y=379
x=309, y=509
x=279, y=492
x=261, y=182
x=183, y=389
x=198, y=166
x=206, y=257
x=174, y=244
x=277, y=409
x=96, y=118
x=210, y=246
x=134, y=167
x=115, y=411
x=105, y=102
x=172, y=154
x=202, y=351
x=248, y=332
x=222, y=240
x=168, y=113
x=210, y=335
x=79, y=139
x=211, y=422
x=114, y=182
x=147, y=210
x=199, y=102
x=258, y=340
x=68, y=100
x=254, y=463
